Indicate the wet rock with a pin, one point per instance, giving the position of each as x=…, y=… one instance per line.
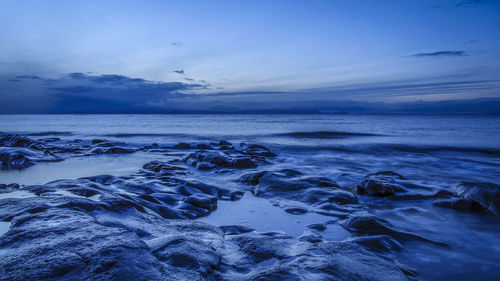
x=252, y=178
x=486, y=194
x=368, y=224
x=236, y=229
x=161, y=167
x=257, y=150
x=311, y=237
x=212, y=159
x=376, y=243
x=21, y=158
x=390, y=184
x=483, y=197
x=203, y=201
x=295, y=210
x=187, y=253
x=225, y=142
x=110, y=150
x=182, y=145
x=293, y=185
x=265, y=246
x=317, y=226
x=381, y=184
x=72, y=245
x=311, y=258
x=12, y=140
x=98, y=141
x=9, y=186
x=203, y=146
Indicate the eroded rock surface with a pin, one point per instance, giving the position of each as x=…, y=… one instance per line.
x=475, y=196
x=321, y=194
x=391, y=184
x=112, y=228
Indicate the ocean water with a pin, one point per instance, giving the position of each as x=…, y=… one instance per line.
x=436, y=150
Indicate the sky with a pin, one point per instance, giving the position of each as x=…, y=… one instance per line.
x=238, y=56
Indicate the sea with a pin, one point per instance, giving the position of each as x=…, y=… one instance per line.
x=437, y=150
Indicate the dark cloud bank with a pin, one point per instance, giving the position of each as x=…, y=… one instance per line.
x=112, y=93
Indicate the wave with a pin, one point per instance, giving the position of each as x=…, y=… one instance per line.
x=131, y=135
x=387, y=148
x=49, y=133
x=323, y=134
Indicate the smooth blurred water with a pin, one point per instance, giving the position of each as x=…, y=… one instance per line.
x=461, y=131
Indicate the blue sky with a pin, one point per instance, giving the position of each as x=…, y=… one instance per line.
x=219, y=53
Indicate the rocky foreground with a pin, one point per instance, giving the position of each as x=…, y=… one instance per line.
x=141, y=227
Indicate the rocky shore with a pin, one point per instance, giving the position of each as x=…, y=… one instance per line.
x=143, y=226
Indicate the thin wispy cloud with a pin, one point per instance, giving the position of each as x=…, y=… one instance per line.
x=27, y=77
x=471, y=3
x=440, y=54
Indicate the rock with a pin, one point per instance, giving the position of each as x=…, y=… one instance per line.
x=236, y=229
x=98, y=141
x=216, y=159
x=376, y=243
x=21, y=158
x=72, y=245
x=295, y=210
x=381, y=184
x=12, y=140
x=224, y=142
x=390, y=184
x=481, y=197
x=161, y=167
x=110, y=150
x=10, y=186
x=311, y=237
x=203, y=201
x=188, y=253
x=317, y=226
x=182, y=145
x=295, y=186
x=486, y=194
x=367, y=224
x=311, y=258
x=252, y=178
x=257, y=150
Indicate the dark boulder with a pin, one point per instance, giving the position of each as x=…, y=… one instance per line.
x=381, y=184
x=475, y=196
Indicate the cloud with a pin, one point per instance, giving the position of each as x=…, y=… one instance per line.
x=80, y=92
x=72, y=89
x=28, y=77
x=471, y=3
x=106, y=78
x=440, y=54
x=114, y=93
x=179, y=71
